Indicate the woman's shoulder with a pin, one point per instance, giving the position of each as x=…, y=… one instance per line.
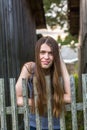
x=31, y=63
x=30, y=66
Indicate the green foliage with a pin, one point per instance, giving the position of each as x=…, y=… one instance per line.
x=80, y=120
x=76, y=84
x=68, y=121
x=47, y=4
x=68, y=39
x=55, y=12
x=76, y=80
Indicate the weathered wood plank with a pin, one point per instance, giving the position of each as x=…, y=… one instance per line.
x=49, y=102
x=62, y=118
x=2, y=106
x=13, y=105
x=25, y=102
x=1, y=41
x=12, y=50
x=73, y=104
x=18, y=35
x=79, y=107
x=38, y=121
x=84, y=91
x=62, y=121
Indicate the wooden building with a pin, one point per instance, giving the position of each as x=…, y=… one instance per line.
x=19, y=20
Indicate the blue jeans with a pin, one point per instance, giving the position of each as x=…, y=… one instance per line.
x=33, y=128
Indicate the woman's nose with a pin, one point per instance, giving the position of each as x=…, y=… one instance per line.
x=46, y=55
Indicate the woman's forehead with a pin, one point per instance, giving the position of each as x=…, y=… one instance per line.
x=45, y=47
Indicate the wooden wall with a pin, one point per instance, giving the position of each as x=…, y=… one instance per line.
x=17, y=40
x=17, y=36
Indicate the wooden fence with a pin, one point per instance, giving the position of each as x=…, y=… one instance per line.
x=13, y=110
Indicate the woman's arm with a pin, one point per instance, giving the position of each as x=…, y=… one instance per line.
x=23, y=75
x=66, y=79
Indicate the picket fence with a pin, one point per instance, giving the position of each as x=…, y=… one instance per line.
x=14, y=110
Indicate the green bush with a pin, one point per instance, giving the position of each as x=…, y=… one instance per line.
x=68, y=39
x=76, y=80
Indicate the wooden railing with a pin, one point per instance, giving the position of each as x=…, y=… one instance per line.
x=14, y=110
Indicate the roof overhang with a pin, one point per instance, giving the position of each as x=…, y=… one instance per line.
x=38, y=12
x=73, y=16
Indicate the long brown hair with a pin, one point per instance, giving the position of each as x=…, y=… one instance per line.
x=55, y=72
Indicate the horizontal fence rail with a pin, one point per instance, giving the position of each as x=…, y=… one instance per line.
x=14, y=110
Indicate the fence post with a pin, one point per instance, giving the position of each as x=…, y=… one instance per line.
x=84, y=88
x=26, y=106
x=73, y=104
x=13, y=105
x=38, y=121
x=49, y=102
x=62, y=121
x=2, y=106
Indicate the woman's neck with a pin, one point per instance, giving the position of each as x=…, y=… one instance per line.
x=46, y=71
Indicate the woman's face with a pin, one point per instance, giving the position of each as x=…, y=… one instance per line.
x=46, y=56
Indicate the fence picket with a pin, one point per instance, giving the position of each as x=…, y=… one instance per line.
x=2, y=106
x=84, y=88
x=49, y=101
x=26, y=106
x=38, y=121
x=73, y=104
x=62, y=121
x=13, y=105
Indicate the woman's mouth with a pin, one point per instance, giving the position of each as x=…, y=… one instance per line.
x=45, y=62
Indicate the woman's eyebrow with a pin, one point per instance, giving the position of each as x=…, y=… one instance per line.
x=45, y=51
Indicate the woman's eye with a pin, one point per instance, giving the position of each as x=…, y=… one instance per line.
x=42, y=52
x=50, y=53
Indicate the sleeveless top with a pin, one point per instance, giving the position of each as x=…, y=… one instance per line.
x=44, y=119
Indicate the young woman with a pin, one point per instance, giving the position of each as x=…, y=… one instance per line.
x=47, y=62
